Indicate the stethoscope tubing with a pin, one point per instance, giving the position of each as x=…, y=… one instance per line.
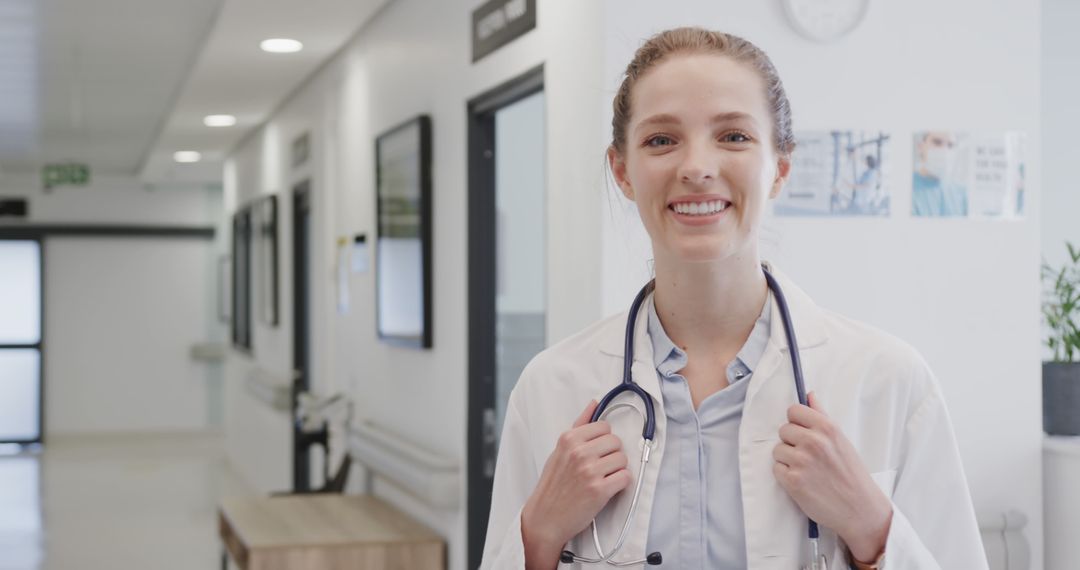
x=649, y=429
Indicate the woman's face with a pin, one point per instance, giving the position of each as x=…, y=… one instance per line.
x=699, y=158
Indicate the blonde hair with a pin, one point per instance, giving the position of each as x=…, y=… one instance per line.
x=699, y=40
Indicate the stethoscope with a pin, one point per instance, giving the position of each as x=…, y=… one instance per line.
x=818, y=560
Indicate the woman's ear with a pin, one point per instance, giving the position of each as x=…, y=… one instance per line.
x=618, y=169
x=783, y=169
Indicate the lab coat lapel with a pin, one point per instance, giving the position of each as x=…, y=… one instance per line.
x=806, y=319
x=775, y=527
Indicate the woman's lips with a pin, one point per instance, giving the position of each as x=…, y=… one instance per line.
x=699, y=212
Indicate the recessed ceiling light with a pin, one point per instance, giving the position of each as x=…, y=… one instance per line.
x=219, y=120
x=186, y=156
x=281, y=45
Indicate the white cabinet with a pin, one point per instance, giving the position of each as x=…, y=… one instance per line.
x=1061, y=501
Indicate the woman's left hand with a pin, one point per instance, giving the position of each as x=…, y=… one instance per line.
x=821, y=470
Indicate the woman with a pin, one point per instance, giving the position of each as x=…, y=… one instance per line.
x=701, y=141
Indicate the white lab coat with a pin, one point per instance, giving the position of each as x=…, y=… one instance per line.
x=876, y=388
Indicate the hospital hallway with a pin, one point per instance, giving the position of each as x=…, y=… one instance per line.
x=322, y=284
x=111, y=502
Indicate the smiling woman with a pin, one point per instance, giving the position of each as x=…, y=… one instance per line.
x=701, y=141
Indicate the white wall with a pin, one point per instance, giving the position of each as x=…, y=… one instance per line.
x=121, y=316
x=122, y=313
x=965, y=294
x=1060, y=125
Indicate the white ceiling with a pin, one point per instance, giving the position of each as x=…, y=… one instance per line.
x=233, y=76
x=89, y=81
x=122, y=84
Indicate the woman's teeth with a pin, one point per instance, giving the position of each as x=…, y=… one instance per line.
x=700, y=208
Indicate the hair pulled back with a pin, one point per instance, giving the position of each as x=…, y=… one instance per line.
x=693, y=40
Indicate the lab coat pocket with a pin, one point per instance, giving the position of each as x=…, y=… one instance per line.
x=886, y=480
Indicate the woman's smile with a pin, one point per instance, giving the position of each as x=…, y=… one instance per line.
x=698, y=210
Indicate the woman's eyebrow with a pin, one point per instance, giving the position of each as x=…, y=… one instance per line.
x=668, y=119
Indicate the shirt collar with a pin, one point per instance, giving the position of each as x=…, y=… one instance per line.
x=808, y=320
x=669, y=359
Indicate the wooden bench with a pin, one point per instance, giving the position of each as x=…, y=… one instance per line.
x=325, y=532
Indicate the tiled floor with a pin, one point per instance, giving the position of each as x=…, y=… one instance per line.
x=114, y=503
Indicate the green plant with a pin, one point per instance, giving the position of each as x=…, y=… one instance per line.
x=1061, y=307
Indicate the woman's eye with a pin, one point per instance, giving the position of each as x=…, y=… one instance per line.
x=658, y=141
x=736, y=137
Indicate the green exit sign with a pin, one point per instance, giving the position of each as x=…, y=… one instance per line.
x=65, y=175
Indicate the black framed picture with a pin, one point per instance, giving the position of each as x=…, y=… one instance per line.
x=265, y=221
x=224, y=288
x=241, y=279
x=403, y=245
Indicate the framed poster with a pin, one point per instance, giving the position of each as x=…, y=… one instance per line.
x=838, y=173
x=241, y=279
x=958, y=174
x=403, y=244
x=265, y=211
x=224, y=288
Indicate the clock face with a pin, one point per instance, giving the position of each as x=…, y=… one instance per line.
x=825, y=20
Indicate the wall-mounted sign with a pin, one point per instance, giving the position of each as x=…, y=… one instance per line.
x=499, y=22
x=13, y=207
x=53, y=175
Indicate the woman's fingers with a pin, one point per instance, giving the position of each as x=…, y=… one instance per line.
x=586, y=414
x=794, y=434
x=805, y=416
x=786, y=454
x=575, y=438
x=611, y=463
x=617, y=481
x=602, y=445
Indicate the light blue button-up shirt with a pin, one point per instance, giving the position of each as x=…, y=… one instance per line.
x=697, y=513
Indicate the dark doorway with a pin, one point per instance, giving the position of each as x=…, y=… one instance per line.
x=507, y=269
x=301, y=381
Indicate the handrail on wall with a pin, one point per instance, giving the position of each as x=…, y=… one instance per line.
x=208, y=351
x=269, y=388
x=429, y=476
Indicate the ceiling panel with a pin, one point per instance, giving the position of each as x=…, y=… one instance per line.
x=105, y=75
x=234, y=76
x=122, y=84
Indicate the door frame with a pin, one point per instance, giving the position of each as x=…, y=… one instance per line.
x=301, y=197
x=482, y=440
x=39, y=237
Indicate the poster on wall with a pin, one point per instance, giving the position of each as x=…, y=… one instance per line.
x=265, y=223
x=837, y=173
x=968, y=175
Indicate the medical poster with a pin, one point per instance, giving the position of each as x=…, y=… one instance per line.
x=966, y=175
x=837, y=173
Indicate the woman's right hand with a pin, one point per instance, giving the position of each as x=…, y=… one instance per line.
x=587, y=469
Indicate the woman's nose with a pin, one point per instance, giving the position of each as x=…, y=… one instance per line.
x=698, y=166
